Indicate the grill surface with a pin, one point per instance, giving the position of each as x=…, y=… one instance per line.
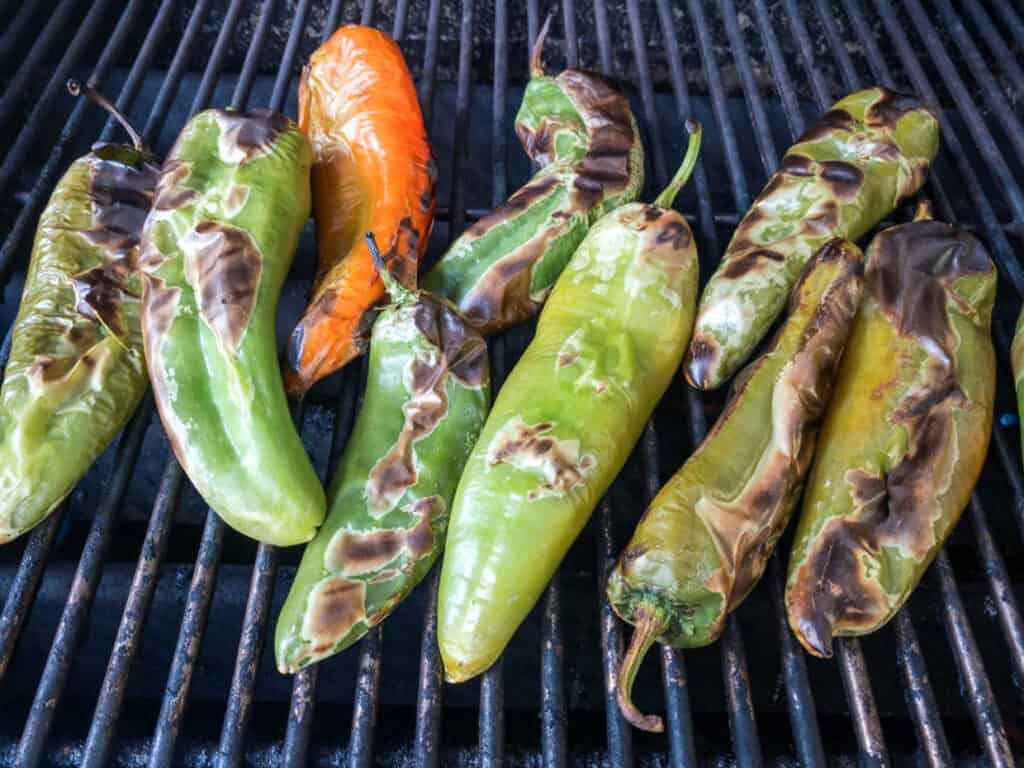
x=134, y=624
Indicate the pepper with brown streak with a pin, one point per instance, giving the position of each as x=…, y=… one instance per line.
x=905, y=436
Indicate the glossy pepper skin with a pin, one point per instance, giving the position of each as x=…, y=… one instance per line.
x=372, y=170
x=579, y=128
x=1017, y=359
x=905, y=436
x=608, y=343
x=232, y=198
x=76, y=372
x=705, y=540
x=427, y=395
x=863, y=157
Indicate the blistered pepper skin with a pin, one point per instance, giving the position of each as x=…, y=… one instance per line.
x=579, y=128
x=427, y=395
x=373, y=170
x=868, y=153
x=905, y=436
x=608, y=343
x=76, y=372
x=706, y=538
x=230, y=204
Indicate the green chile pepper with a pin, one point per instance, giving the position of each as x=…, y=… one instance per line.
x=231, y=201
x=1017, y=359
x=905, y=436
x=579, y=128
x=76, y=371
x=864, y=156
x=608, y=343
x=705, y=540
x=427, y=396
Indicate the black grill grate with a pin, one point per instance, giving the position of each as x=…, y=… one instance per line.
x=754, y=71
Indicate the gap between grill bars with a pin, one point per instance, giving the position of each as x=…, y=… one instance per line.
x=678, y=57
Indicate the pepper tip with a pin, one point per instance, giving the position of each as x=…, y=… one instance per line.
x=536, y=68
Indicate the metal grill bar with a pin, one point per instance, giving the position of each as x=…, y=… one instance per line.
x=866, y=724
x=920, y=699
x=995, y=42
x=15, y=157
x=15, y=29
x=44, y=43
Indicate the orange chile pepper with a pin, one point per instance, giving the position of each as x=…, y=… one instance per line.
x=373, y=171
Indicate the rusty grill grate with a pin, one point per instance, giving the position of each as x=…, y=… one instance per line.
x=134, y=624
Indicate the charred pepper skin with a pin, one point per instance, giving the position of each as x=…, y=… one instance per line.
x=863, y=157
x=579, y=128
x=705, y=540
x=608, y=342
x=905, y=436
x=76, y=372
x=373, y=170
x=427, y=396
x=231, y=201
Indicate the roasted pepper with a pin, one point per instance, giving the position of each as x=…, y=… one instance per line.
x=427, y=395
x=579, y=128
x=232, y=198
x=76, y=371
x=607, y=345
x=1017, y=359
x=372, y=170
x=905, y=436
x=704, y=541
x=863, y=157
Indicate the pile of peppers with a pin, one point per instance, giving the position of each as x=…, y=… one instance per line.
x=175, y=270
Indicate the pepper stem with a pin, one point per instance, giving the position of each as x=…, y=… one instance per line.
x=924, y=210
x=76, y=88
x=394, y=289
x=536, y=68
x=664, y=200
x=648, y=628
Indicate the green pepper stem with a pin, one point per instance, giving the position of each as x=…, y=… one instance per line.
x=394, y=289
x=536, y=68
x=648, y=628
x=924, y=210
x=76, y=88
x=668, y=195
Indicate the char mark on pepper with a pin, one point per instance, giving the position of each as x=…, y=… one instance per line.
x=224, y=266
x=245, y=136
x=749, y=261
x=463, y=349
x=335, y=606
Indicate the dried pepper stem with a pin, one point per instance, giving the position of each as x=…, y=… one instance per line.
x=77, y=88
x=648, y=627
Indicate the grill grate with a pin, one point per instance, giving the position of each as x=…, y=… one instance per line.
x=751, y=70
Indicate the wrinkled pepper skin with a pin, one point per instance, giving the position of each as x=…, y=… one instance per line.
x=372, y=171
x=608, y=343
x=1017, y=359
x=230, y=204
x=705, y=540
x=427, y=396
x=905, y=436
x=76, y=371
x=579, y=128
x=868, y=153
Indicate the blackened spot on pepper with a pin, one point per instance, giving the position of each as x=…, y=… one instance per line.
x=674, y=232
x=461, y=346
x=248, y=135
x=402, y=257
x=335, y=606
x=100, y=293
x=535, y=189
x=224, y=266
x=844, y=178
x=890, y=107
x=171, y=193
x=652, y=213
x=913, y=270
x=749, y=261
x=419, y=540
x=832, y=121
x=426, y=200
x=701, y=356
x=793, y=164
x=46, y=368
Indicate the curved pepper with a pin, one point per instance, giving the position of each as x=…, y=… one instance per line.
x=905, y=436
x=427, y=396
x=230, y=204
x=76, y=371
x=579, y=128
x=607, y=345
x=863, y=157
x=706, y=538
x=372, y=170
